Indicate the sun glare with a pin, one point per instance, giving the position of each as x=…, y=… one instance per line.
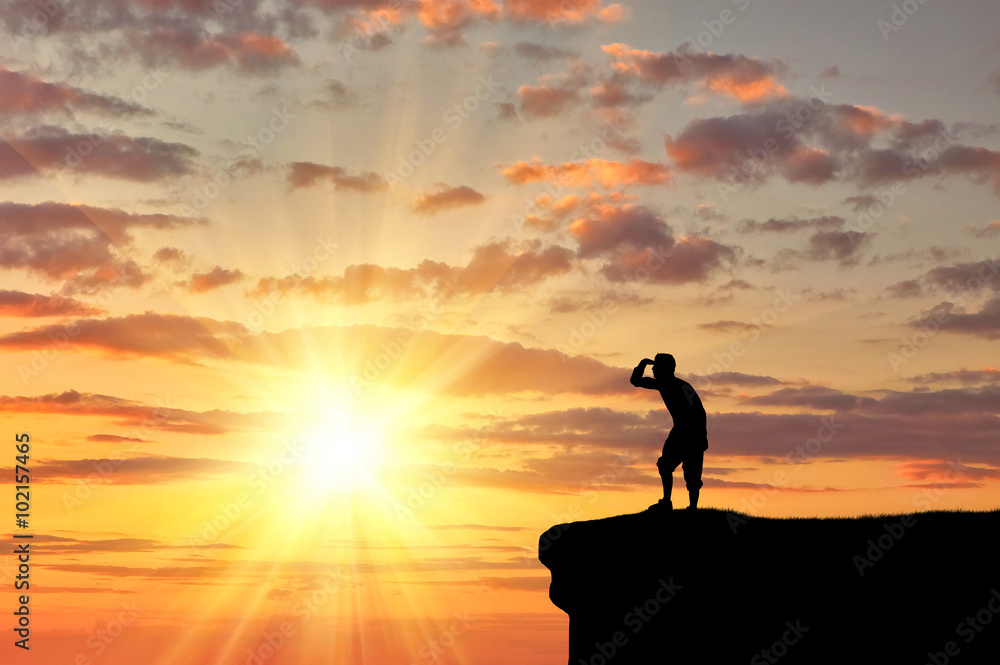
x=343, y=450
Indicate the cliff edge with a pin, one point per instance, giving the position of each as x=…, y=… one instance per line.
x=722, y=587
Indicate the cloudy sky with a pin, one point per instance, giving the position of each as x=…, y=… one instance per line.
x=319, y=312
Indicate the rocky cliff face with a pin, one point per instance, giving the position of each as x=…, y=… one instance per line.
x=718, y=587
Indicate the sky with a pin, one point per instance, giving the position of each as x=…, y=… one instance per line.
x=319, y=313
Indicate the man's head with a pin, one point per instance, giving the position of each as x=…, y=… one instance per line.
x=663, y=365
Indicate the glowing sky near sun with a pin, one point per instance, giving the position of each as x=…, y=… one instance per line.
x=320, y=313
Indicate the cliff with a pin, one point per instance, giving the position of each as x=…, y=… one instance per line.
x=721, y=587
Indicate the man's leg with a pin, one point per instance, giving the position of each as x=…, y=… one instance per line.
x=693, y=464
x=667, y=478
x=668, y=461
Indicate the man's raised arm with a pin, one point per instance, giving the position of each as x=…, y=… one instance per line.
x=640, y=381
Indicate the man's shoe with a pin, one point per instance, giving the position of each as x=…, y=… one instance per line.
x=692, y=508
x=662, y=504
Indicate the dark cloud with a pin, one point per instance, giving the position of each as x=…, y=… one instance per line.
x=307, y=174
x=897, y=429
x=54, y=150
x=608, y=301
x=21, y=304
x=82, y=246
x=772, y=225
x=933, y=254
x=957, y=279
x=845, y=247
x=805, y=140
x=862, y=202
x=842, y=246
x=732, y=379
x=552, y=95
x=951, y=402
x=908, y=288
x=728, y=326
x=446, y=199
x=639, y=245
x=114, y=438
x=25, y=94
x=747, y=148
x=985, y=399
x=633, y=226
x=964, y=376
x=813, y=397
x=951, y=318
x=989, y=231
x=688, y=259
x=963, y=278
x=171, y=256
x=23, y=219
x=193, y=48
x=334, y=95
x=160, y=33
x=817, y=295
x=541, y=52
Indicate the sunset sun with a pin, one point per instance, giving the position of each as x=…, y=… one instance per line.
x=342, y=450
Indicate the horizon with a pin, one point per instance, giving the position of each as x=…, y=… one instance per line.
x=341, y=299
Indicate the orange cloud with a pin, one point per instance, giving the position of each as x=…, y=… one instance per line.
x=133, y=470
x=496, y=266
x=445, y=18
x=583, y=174
x=576, y=11
x=215, y=278
x=170, y=336
x=426, y=360
x=866, y=120
x=738, y=76
x=747, y=91
x=127, y=413
x=544, y=101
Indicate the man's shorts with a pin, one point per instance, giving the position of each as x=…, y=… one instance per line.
x=691, y=456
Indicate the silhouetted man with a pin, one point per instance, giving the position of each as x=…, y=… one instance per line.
x=688, y=438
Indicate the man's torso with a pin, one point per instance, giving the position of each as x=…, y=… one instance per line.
x=685, y=407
